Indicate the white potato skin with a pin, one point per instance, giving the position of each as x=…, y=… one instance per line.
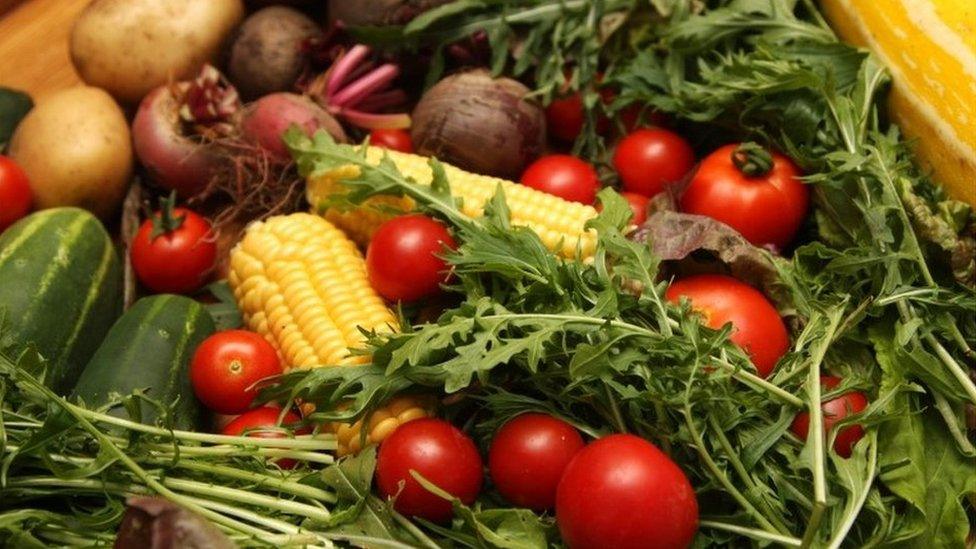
x=75, y=147
x=129, y=47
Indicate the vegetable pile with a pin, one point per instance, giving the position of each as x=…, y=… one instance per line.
x=628, y=274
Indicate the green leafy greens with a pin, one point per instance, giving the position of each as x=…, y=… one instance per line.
x=881, y=294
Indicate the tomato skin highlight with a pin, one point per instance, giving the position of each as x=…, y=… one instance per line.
x=623, y=492
x=765, y=209
x=177, y=262
x=440, y=453
x=564, y=176
x=16, y=198
x=528, y=456
x=227, y=364
x=393, y=139
x=649, y=160
x=402, y=258
x=835, y=410
x=265, y=418
x=757, y=326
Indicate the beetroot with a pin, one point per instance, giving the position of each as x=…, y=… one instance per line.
x=270, y=50
x=266, y=120
x=479, y=123
x=174, y=126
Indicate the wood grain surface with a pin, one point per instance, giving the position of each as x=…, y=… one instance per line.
x=34, y=44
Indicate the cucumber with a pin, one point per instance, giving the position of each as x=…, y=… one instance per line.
x=150, y=348
x=60, y=289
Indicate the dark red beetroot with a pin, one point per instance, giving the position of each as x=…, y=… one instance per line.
x=267, y=119
x=269, y=51
x=479, y=123
x=173, y=125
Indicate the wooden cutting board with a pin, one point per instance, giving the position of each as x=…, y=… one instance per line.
x=34, y=44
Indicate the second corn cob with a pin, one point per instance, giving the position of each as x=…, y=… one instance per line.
x=559, y=223
x=302, y=285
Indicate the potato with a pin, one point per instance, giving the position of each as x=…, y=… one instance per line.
x=76, y=150
x=129, y=47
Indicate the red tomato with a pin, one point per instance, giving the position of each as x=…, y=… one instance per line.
x=649, y=160
x=440, y=453
x=15, y=193
x=564, y=176
x=263, y=423
x=397, y=140
x=833, y=411
x=402, y=259
x=565, y=117
x=622, y=492
x=756, y=326
x=766, y=206
x=226, y=366
x=528, y=456
x=178, y=261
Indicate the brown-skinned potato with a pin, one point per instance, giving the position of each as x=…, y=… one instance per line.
x=129, y=47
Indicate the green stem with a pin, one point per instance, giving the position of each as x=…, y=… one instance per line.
x=752, y=488
x=259, y=479
x=944, y=408
x=752, y=159
x=717, y=473
x=322, y=442
x=618, y=418
x=761, y=535
x=815, y=433
x=840, y=535
x=249, y=498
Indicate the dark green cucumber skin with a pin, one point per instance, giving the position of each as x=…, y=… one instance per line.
x=60, y=289
x=150, y=348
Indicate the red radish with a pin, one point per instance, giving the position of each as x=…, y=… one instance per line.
x=169, y=127
x=267, y=119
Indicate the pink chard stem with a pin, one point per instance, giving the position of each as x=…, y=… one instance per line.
x=343, y=66
x=351, y=95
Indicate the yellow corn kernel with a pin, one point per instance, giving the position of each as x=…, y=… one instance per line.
x=559, y=223
x=302, y=284
x=381, y=422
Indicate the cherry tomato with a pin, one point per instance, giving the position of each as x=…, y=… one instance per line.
x=565, y=117
x=649, y=160
x=15, y=193
x=263, y=423
x=622, y=492
x=564, y=176
x=178, y=260
x=751, y=190
x=226, y=366
x=402, y=259
x=756, y=326
x=440, y=453
x=397, y=140
x=528, y=456
x=835, y=410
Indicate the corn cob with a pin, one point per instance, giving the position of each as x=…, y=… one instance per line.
x=559, y=223
x=302, y=285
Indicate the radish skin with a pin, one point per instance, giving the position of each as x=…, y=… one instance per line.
x=173, y=160
x=267, y=119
